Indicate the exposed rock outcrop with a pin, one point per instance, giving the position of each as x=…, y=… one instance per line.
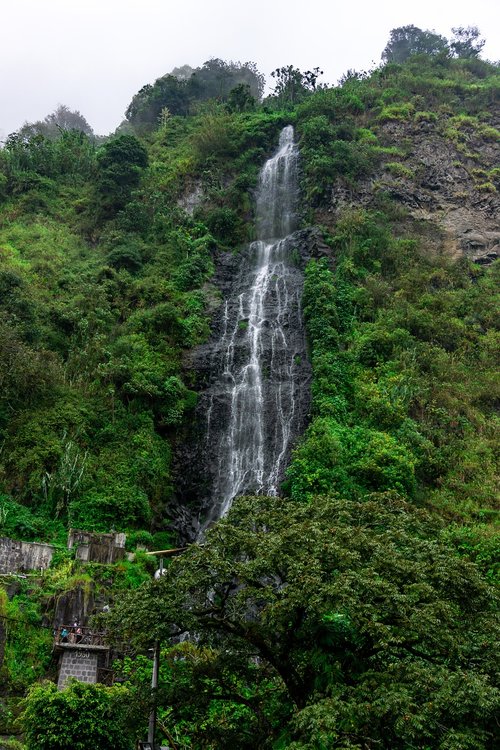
x=447, y=182
x=74, y=606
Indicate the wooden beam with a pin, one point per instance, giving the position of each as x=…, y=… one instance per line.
x=167, y=551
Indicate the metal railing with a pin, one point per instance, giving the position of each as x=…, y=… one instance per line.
x=79, y=636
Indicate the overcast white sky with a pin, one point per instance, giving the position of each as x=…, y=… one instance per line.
x=94, y=55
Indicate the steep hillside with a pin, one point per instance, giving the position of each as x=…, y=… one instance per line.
x=357, y=589
x=442, y=168
x=409, y=351
x=356, y=610
x=105, y=283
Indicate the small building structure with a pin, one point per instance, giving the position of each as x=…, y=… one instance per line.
x=83, y=653
x=92, y=547
x=19, y=557
x=83, y=656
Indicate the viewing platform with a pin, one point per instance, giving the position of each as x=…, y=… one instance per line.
x=84, y=656
x=70, y=636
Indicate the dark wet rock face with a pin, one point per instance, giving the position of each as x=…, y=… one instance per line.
x=253, y=375
x=74, y=606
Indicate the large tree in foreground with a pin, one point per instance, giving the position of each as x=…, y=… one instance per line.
x=346, y=623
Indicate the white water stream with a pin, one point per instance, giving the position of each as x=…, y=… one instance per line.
x=261, y=346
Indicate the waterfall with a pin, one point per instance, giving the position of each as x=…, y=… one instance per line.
x=255, y=371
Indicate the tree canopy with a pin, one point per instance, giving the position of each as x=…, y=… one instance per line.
x=375, y=633
x=63, y=118
x=410, y=40
x=405, y=41
x=120, y=162
x=466, y=41
x=185, y=86
x=292, y=84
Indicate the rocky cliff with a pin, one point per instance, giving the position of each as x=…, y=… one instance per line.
x=444, y=171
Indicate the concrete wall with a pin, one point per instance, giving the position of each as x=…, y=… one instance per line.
x=80, y=663
x=16, y=556
x=101, y=548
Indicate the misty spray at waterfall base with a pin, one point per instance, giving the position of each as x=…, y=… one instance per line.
x=253, y=375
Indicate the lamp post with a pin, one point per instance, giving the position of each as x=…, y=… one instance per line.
x=154, y=689
x=156, y=654
x=154, y=677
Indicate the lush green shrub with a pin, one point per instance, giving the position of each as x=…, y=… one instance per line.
x=425, y=117
x=81, y=716
x=346, y=460
x=399, y=170
x=126, y=256
x=225, y=224
x=141, y=538
x=162, y=540
x=334, y=103
x=28, y=646
x=337, y=158
x=396, y=112
x=215, y=135
x=120, y=162
x=21, y=522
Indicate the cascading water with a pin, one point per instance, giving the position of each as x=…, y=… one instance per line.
x=253, y=410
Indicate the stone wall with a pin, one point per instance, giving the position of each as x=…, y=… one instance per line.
x=80, y=663
x=16, y=556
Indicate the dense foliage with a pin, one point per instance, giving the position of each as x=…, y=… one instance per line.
x=403, y=395
x=358, y=611
x=56, y=123
x=82, y=717
x=332, y=624
x=410, y=40
x=182, y=91
x=104, y=285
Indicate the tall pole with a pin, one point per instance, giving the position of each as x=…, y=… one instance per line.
x=154, y=689
x=154, y=684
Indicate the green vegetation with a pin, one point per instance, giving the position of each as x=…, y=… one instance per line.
x=403, y=395
x=357, y=611
x=406, y=41
x=352, y=610
x=182, y=91
x=82, y=717
x=104, y=285
x=399, y=170
x=25, y=659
